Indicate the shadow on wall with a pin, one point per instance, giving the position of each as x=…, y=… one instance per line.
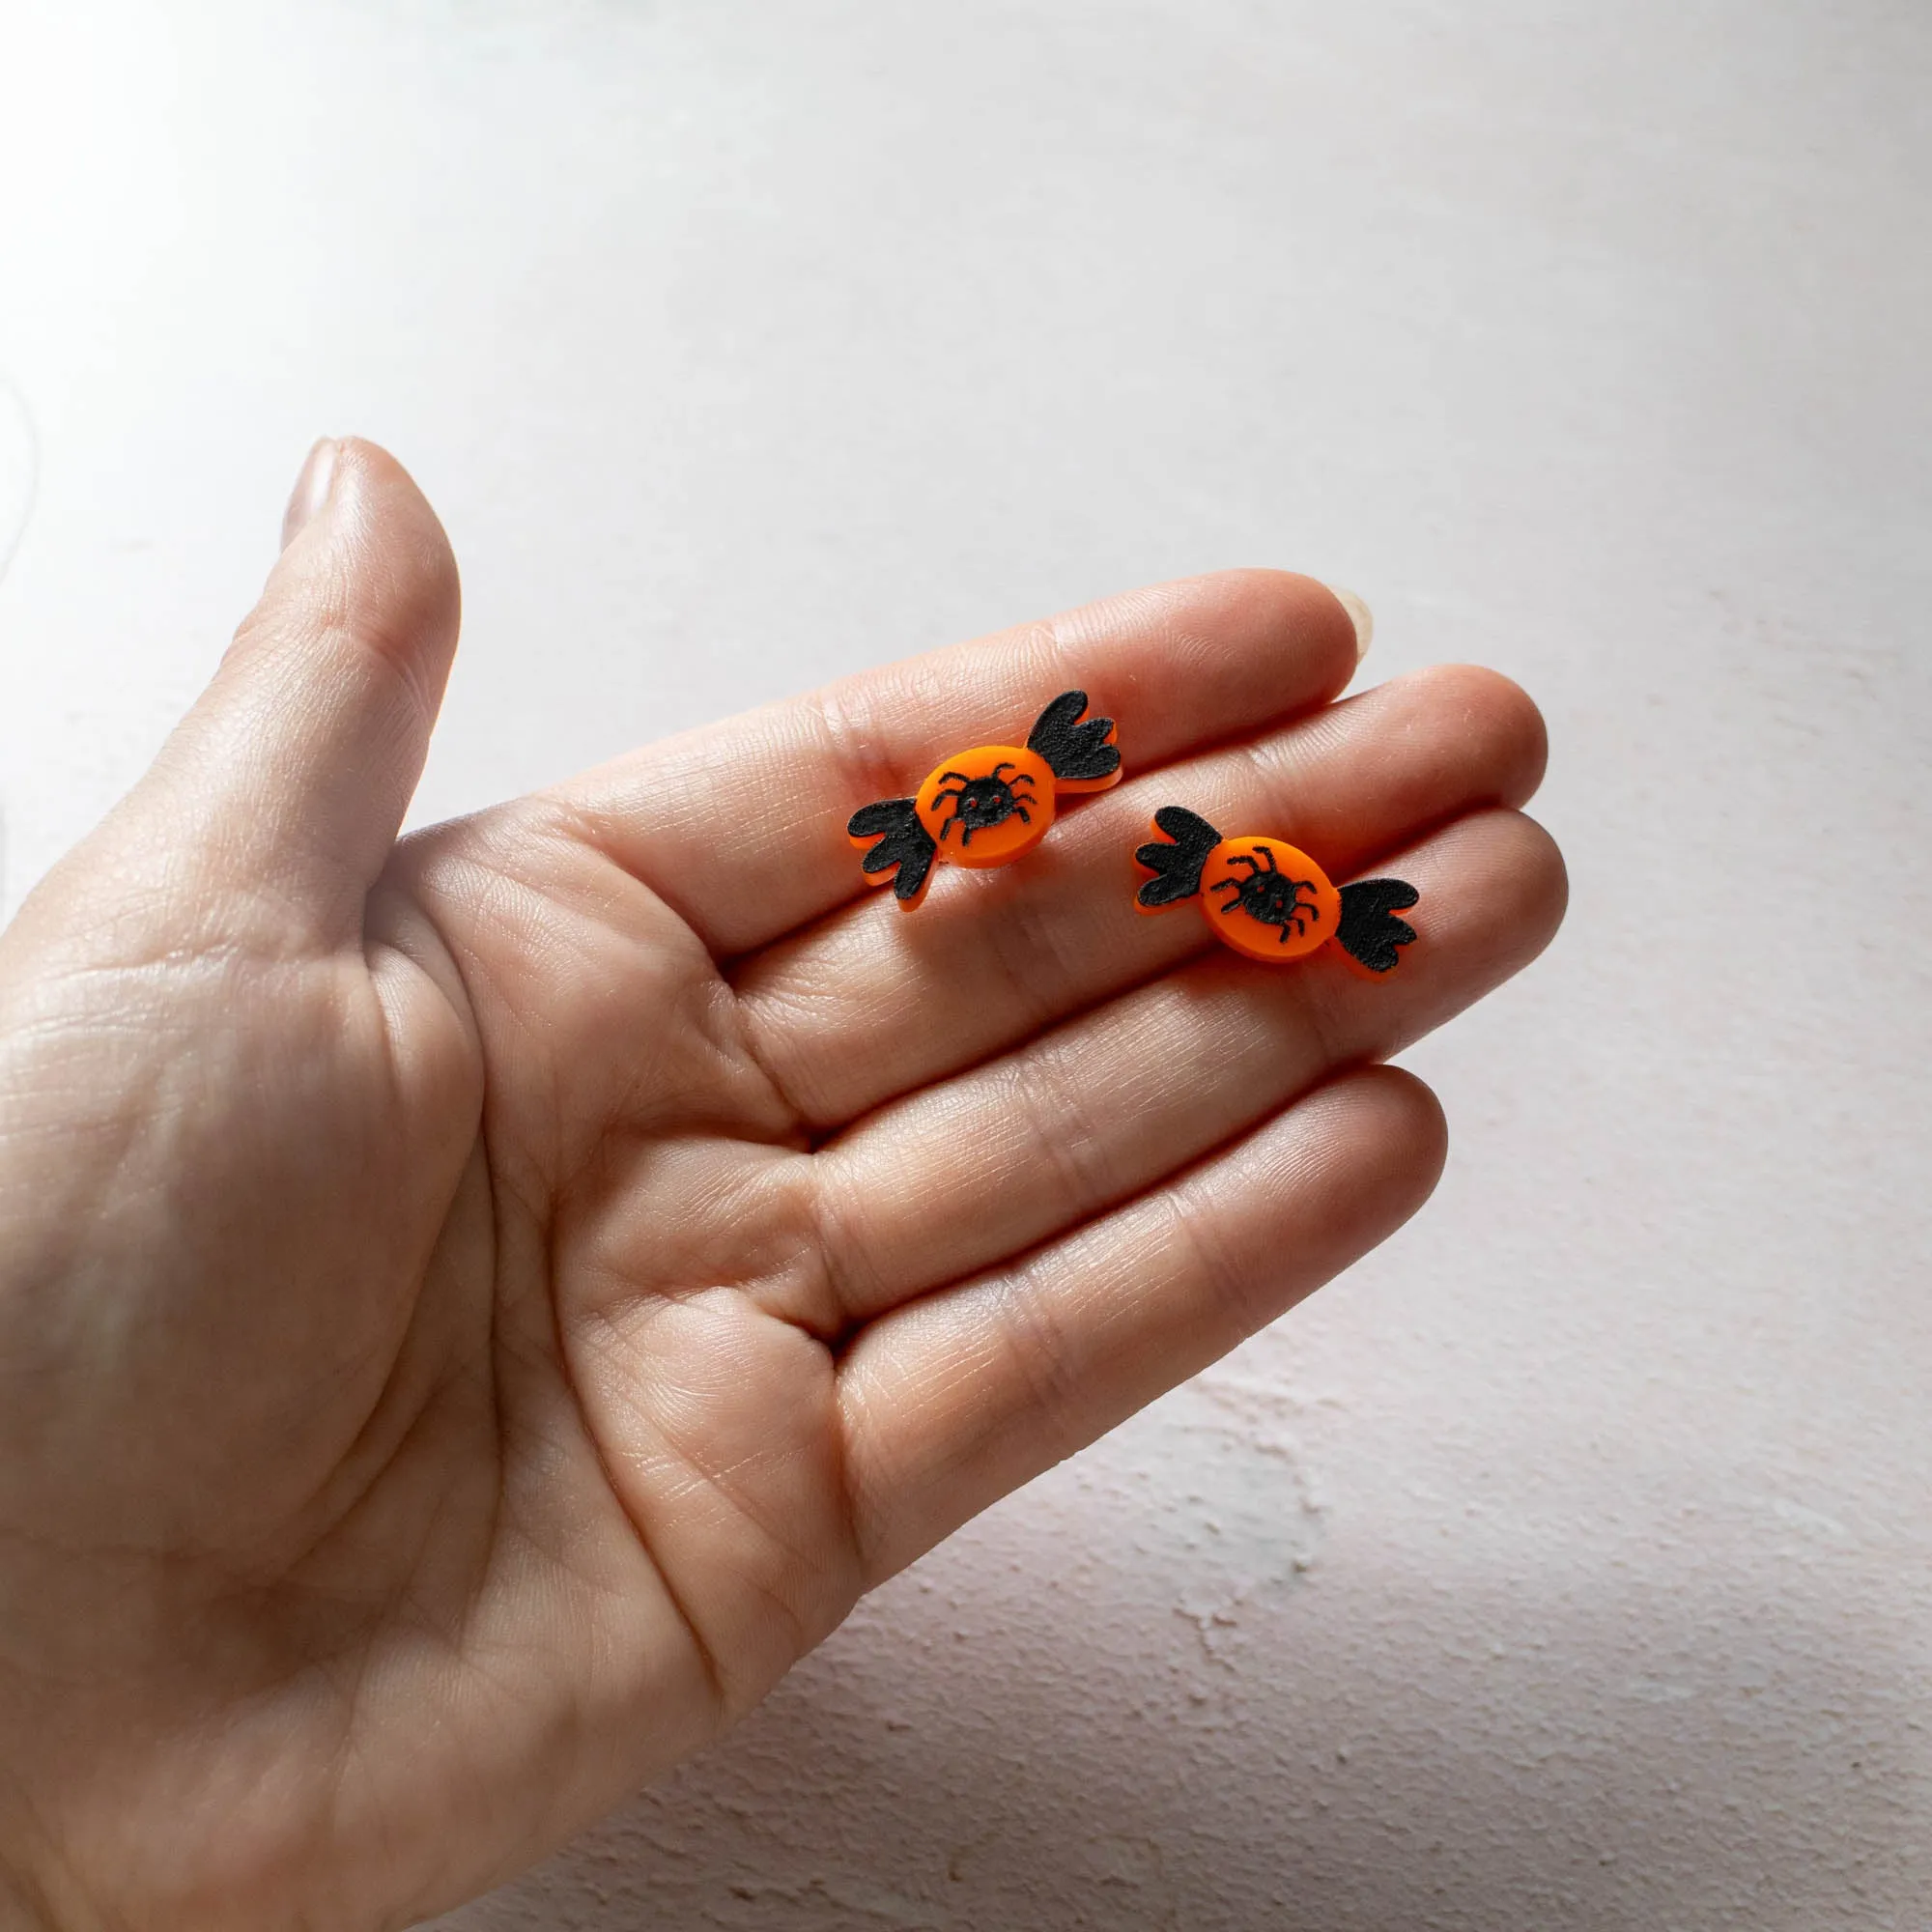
x=989, y=1757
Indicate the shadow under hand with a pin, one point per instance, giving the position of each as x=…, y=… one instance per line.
x=1092, y=1710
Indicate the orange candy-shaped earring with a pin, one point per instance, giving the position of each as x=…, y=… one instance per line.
x=988, y=806
x=1269, y=900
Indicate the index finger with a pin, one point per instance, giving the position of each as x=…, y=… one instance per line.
x=739, y=827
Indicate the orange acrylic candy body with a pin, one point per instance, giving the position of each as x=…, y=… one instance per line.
x=1270, y=901
x=988, y=806
x=1267, y=899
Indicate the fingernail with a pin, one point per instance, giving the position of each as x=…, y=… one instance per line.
x=310, y=496
x=1359, y=616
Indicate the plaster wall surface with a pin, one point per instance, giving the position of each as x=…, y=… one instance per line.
x=1568, y=1563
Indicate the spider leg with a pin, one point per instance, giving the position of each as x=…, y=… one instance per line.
x=1246, y=859
x=1232, y=884
x=1005, y=765
x=961, y=775
x=1024, y=816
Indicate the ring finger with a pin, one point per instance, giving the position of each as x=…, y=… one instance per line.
x=970, y=1172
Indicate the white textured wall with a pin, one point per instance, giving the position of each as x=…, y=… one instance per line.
x=1570, y=1563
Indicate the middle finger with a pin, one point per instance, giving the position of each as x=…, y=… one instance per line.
x=875, y=1003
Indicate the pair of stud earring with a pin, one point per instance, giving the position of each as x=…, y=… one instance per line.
x=991, y=805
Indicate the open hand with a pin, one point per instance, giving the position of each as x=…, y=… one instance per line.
x=474, y=1311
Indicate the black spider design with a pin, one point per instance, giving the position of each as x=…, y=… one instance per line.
x=981, y=803
x=1269, y=894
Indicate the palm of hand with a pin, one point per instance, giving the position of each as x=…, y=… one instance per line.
x=485, y=1339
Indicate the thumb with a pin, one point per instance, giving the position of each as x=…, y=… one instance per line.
x=282, y=790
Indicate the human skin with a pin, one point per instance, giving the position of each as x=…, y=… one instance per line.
x=476, y=1309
